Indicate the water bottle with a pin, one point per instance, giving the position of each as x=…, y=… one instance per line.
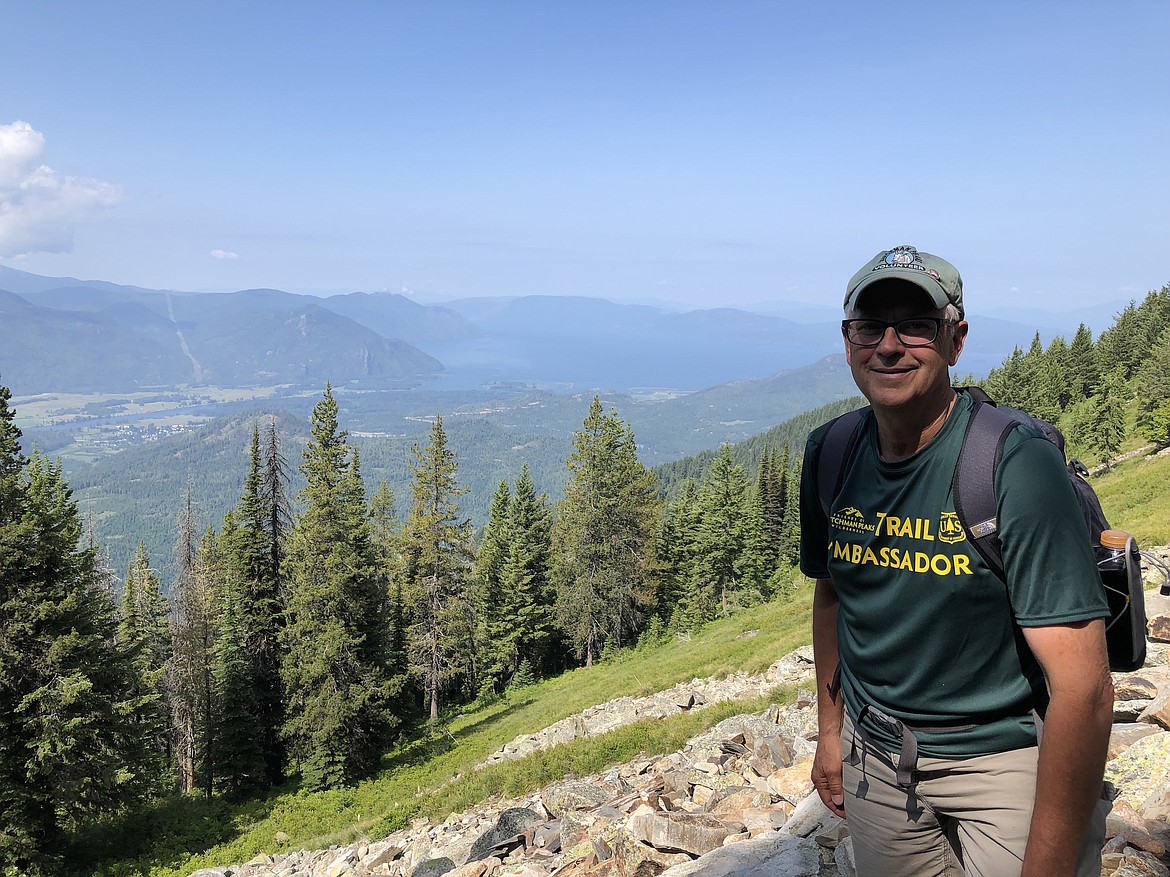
x=1119, y=566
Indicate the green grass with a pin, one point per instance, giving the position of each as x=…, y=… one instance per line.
x=185, y=834
x=1133, y=495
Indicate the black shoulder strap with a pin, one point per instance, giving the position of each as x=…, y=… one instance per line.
x=835, y=450
x=973, y=483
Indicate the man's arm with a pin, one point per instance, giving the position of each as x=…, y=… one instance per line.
x=1075, y=744
x=826, y=770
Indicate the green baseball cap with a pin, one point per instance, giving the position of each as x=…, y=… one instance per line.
x=938, y=277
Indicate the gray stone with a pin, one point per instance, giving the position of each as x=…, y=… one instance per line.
x=694, y=833
x=511, y=823
x=1158, y=712
x=433, y=867
x=561, y=797
x=769, y=855
x=1142, y=770
x=809, y=817
x=1125, y=734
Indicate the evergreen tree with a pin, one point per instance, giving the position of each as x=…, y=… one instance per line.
x=678, y=550
x=386, y=541
x=144, y=632
x=240, y=732
x=252, y=567
x=1107, y=428
x=193, y=598
x=438, y=553
x=603, y=538
x=525, y=579
x=1084, y=375
x=491, y=660
x=730, y=551
x=70, y=711
x=336, y=670
x=1153, y=380
x=790, y=540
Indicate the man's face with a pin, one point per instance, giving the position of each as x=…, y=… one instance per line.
x=892, y=375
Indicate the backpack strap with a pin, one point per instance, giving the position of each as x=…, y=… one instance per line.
x=836, y=448
x=973, y=483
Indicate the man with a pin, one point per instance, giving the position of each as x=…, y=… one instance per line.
x=931, y=672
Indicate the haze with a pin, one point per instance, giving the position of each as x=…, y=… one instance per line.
x=694, y=154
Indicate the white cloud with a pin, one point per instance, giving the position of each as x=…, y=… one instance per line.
x=38, y=207
x=224, y=254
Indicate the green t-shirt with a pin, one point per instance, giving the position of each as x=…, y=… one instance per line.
x=925, y=630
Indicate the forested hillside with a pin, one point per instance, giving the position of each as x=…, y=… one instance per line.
x=318, y=619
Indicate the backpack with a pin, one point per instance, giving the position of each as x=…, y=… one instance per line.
x=973, y=486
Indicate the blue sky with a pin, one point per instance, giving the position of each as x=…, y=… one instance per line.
x=706, y=153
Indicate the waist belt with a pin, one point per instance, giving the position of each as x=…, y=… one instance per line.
x=908, y=754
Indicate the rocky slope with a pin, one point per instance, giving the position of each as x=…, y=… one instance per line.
x=735, y=800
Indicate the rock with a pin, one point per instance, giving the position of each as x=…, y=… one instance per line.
x=509, y=826
x=1158, y=712
x=730, y=810
x=1134, y=686
x=694, y=833
x=1159, y=628
x=1125, y=711
x=1125, y=734
x=1125, y=822
x=433, y=868
x=213, y=872
x=769, y=855
x=562, y=797
x=793, y=784
x=809, y=817
x=1141, y=771
x=843, y=859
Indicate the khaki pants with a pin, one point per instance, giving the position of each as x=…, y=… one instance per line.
x=960, y=818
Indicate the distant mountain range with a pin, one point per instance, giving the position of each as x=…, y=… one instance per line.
x=67, y=335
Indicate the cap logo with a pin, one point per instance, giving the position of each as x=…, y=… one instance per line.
x=903, y=257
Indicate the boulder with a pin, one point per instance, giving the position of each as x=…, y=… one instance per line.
x=694, y=833
x=1141, y=771
x=769, y=855
x=1125, y=734
x=1158, y=712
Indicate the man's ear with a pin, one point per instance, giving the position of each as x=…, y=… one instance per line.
x=958, y=338
x=848, y=348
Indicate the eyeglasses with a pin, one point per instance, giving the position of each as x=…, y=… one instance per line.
x=914, y=332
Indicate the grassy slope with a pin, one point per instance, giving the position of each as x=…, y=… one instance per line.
x=420, y=781
x=190, y=834
x=1134, y=497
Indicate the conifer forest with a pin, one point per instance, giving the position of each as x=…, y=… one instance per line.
x=303, y=635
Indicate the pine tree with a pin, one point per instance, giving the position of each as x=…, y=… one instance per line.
x=240, y=732
x=144, y=632
x=252, y=552
x=493, y=655
x=1153, y=379
x=438, y=554
x=1107, y=428
x=1084, y=374
x=70, y=746
x=731, y=564
x=193, y=598
x=603, y=538
x=678, y=550
x=525, y=578
x=386, y=541
x=790, y=541
x=339, y=690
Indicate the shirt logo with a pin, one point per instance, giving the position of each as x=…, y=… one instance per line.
x=851, y=521
x=950, y=530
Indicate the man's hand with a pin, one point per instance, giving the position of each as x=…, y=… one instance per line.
x=826, y=773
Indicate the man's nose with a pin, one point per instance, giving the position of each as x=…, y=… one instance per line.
x=890, y=342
